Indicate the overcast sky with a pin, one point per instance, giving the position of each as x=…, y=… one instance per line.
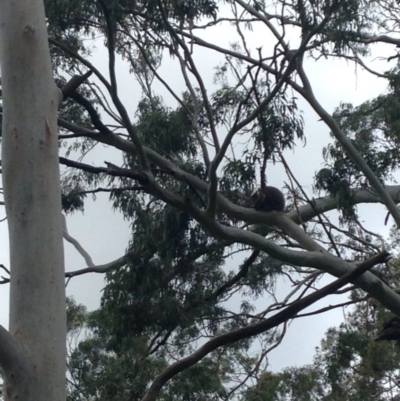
x=105, y=235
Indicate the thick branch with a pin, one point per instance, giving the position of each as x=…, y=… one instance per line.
x=14, y=364
x=258, y=328
x=303, y=214
x=318, y=259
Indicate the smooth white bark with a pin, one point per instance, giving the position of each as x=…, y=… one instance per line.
x=33, y=201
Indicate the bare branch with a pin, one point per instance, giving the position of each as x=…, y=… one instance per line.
x=85, y=62
x=76, y=244
x=115, y=264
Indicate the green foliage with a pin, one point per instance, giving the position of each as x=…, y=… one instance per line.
x=300, y=384
x=202, y=382
x=169, y=132
x=69, y=20
x=107, y=375
x=76, y=315
x=72, y=199
x=170, y=271
x=337, y=182
x=279, y=126
x=239, y=181
x=262, y=275
x=349, y=365
x=340, y=23
x=373, y=128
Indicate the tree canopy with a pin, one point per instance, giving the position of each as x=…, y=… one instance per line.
x=179, y=317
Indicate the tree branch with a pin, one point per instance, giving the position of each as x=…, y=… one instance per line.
x=349, y=148
x=14, y=364
x=76, y=244
x=110, y=170
x=304, y=213
x=258, y=328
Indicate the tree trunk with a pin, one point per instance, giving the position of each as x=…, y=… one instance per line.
x=31, y=183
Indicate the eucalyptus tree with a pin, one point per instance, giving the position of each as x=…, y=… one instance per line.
x=184, y=182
